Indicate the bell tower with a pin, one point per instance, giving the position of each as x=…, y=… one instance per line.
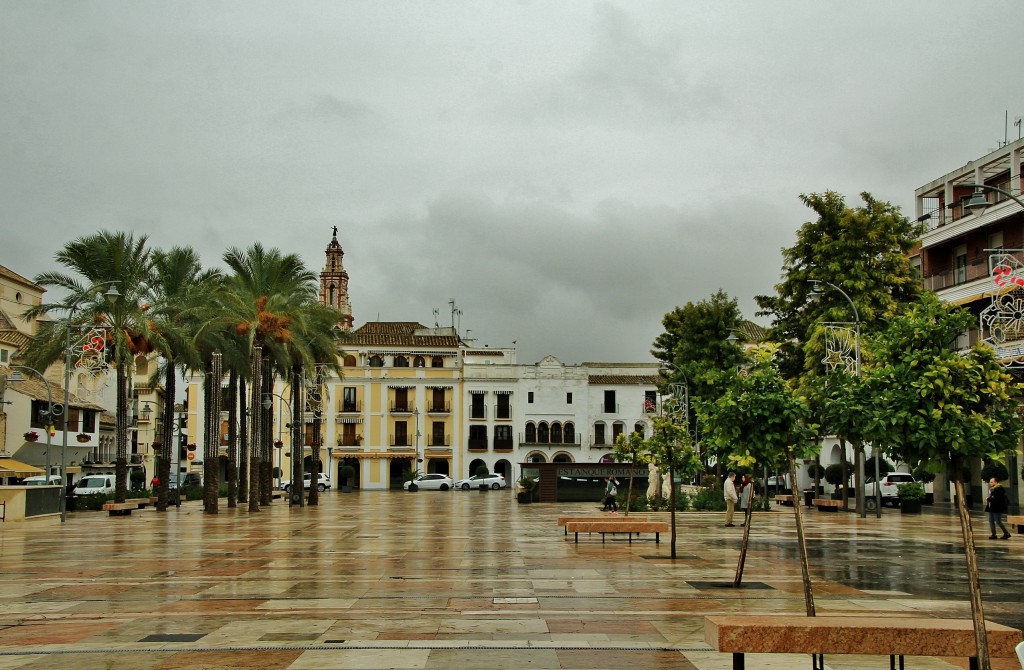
x=334, y=283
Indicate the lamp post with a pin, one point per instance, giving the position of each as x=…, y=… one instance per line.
x=16, y=377
x=816, y=292
x=978, y=202
x=111, y=294
x=268, y=402
x=416, y=464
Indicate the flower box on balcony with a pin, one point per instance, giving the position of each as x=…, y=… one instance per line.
x=31, y=436
x=83, y=437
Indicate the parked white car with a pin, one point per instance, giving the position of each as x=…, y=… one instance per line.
x=493, y=480
x=433, y=482
x=889, y=487
x=323, y=483
x=93, y=484
x=41, y=480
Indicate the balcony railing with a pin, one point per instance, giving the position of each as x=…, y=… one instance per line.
x=503, y=411
x=350, y=440
x=944, y=276
x=954, y=211
x=478, y=444
x=439, y=408
x=503, y=444
x=402, y=408
x=399, y=441
x=538, y=441
x=610, y=407
x=349, y=407
x=439, y=441
x=478, y=411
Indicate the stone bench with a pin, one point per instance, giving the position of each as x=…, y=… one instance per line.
x=827, y=504
x=629, y=526
x=1017, y=521
x=125, y=508
x=893, y=637
x=784, y=500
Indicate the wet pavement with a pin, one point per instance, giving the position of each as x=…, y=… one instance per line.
x=460, y=579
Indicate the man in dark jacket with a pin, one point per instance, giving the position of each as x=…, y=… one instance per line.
x=996, y=505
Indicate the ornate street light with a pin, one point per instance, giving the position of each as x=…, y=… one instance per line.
x=268, y=402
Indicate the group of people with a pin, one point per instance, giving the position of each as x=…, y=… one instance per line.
x=734, y=493
x=611, y=490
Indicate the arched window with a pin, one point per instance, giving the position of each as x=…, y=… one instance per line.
x=376, y=361
x=562, y=457
x=401, y=362
x=556, y=433
x=330, y=292
x=349, y=361
x=531, y=432
x=599, y=436
x=542, y=433
x=418, y=362
x=437, y=362
x=618, y=428
x=536, y=457
x=570, y=434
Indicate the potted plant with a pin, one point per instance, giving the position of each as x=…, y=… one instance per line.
x=347, y=474
x=481, y=472
x=85, y=437
x=410, y=476
x=524, y=492
x=278, y=444
x=925, y=477
x=31, y=436
x=911, y=495
x=834, y=476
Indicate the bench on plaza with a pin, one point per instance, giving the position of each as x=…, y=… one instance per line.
x=629, y=526
x=827, y=504
x=563, y=520
x=1017, y=521
x=892, y=636
x=784, y=500
x=125, y=508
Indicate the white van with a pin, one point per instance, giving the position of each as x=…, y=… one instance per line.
x=92, y=484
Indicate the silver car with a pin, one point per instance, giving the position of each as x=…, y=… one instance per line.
x=493, y=480
x=433, y=482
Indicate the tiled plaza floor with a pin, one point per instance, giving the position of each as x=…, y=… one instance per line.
x=457, y=580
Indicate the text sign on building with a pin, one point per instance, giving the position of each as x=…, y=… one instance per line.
x=604, y=471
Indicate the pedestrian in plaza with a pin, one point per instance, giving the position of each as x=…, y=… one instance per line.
x=731, y=498
x=746, y=493
x=611, y=489
x=996, y=505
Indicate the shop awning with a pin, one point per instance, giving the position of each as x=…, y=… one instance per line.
x=12, y=468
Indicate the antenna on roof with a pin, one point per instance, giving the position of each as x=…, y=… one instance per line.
x=436, y=313
x=455, y=312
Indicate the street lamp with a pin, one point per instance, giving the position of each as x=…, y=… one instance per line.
x=816, y=293
x=268, y=402
x=416, y=465
x=16, y=377
x=978, y=202
x=110, y=295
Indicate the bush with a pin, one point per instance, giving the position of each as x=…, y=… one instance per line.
x=92, y=502
x=815, y=470
x=194, y=493
x=710, y=499
x=994, y=469
x=641, y=503
x=869, y=466
x=923, y=476
x=910, y=491
x=834, y=474
x=709, y=482
x=348, y=473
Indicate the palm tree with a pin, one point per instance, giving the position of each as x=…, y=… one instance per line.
x=103, y=259
x=178, y=292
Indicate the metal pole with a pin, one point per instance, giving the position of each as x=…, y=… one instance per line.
x=67, y=411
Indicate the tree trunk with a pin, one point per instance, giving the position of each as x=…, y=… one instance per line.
x=297, y=450
x=312, y=393
x=973, y=578
x=163, y=472
x=211, y=451
x=267, y=436
x=801, y=540
x=845, y=475
x=629, y=492
x=121, y=437
x=748, y=512
x=232, y=409
x=243, y=443
x=672, y=502
x=256, y=411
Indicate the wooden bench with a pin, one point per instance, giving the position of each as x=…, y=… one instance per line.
x=125, y=508
x=563, y=520
x=784, y=500
x=629, y=526
x=891, y=636
x=827, y=504
x=1017, y=521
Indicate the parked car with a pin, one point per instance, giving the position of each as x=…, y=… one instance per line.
x=433, y=482
x=493, y=480
x=777, y=484
x=323, y=483
x=187, y=481
x=93, y=484
x=41, y=480
x=889, y=485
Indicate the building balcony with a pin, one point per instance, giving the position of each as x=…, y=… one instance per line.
x=547, y=442
x=350, y=407
x=400, y=408
x=439, y=441
x=439, y=408
x=503, y=445
x=350, y=441
x=477, y=444
x=399, y=441
x=503, y=412
x=478, y=412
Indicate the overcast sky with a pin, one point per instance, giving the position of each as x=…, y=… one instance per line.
x=566, y=171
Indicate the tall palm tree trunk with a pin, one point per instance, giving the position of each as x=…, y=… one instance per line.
x=243, y=443
x=121, y=438
x=164, y=470
x=297, y=449
x=266, y=438
x=314, y=482
x=257, y=419
x=211, y=451
x=232, y=409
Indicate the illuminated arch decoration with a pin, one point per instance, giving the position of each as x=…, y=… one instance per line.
x=840, y=349
x=1002, y=322
x=89, y=357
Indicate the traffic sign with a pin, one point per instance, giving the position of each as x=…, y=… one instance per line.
x=191, y=456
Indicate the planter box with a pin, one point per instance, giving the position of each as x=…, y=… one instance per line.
x=910, y=506
x=524, y=497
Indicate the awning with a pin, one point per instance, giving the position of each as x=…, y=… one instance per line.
x=348, y=419
x=12, y=468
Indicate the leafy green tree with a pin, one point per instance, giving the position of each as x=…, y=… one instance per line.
x=630, y=449
x=760, y=420
x=863, y=250
x=670, y=447
x=941, y=408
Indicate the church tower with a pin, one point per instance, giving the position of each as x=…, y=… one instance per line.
x=334, y=283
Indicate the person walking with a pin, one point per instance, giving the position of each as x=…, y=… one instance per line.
x=611, y=489
x=746, y=492
x=996, y=505
x=731, y=498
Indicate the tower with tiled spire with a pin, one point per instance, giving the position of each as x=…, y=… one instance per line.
x=334, y=283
